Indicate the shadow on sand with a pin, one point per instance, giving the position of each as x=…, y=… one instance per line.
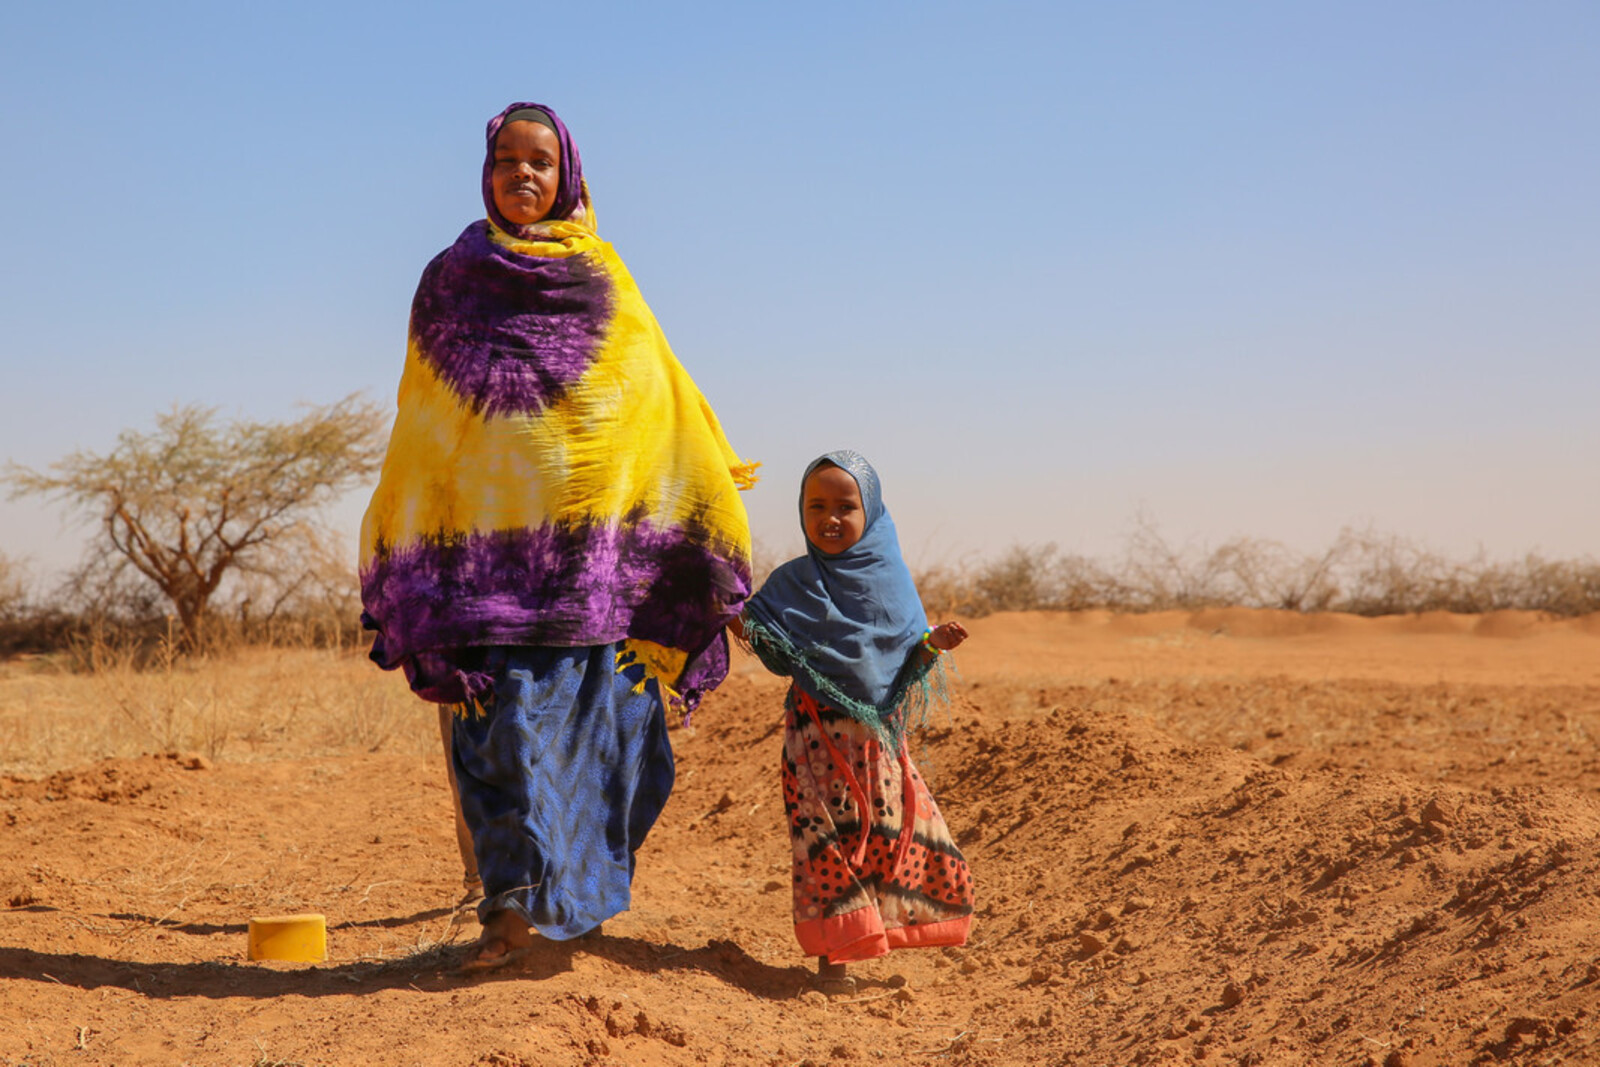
x=429, y=970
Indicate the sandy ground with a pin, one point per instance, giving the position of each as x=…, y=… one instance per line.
x=1231, y=838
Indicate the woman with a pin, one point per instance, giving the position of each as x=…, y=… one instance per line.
x=555, y=543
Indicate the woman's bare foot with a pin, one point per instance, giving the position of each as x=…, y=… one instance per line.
x=505, y=939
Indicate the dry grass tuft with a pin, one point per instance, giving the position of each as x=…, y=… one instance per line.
x=263, y=703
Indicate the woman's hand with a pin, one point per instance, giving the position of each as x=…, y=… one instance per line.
x=947, y=635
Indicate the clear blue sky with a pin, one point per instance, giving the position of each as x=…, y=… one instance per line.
x=1260, y=269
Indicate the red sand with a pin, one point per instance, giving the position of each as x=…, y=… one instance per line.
x=1233, y=838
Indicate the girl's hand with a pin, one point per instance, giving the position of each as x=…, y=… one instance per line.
x=947, y=635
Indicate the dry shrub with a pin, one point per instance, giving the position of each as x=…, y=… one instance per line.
x=1159, y=576
x=13, y=588
x=307, y=599
x=1561, y=587
x=25, y=624
x=1360, y=572
x=308, y=596
x=1389, y=575
x=1023, y=578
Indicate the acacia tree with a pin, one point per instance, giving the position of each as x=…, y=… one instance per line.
x=196, y=500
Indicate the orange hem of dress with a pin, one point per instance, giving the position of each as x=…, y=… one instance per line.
x=859, y=935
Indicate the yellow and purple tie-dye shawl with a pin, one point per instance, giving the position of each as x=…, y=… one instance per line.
x=554, y=477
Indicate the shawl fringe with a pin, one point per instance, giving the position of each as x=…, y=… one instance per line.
x=923, y=683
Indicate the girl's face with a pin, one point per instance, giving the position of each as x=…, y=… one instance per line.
x=527, y=171
x=831, y=503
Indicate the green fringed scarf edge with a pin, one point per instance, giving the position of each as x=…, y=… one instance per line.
x=923, y=684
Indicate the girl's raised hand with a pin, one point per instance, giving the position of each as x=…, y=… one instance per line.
x=947, y=635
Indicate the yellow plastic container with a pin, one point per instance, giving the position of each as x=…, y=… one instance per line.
x=297, y=938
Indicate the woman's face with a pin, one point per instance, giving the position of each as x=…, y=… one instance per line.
x=527, y=171
x=834, y=516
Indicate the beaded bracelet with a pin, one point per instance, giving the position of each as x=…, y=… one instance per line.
x=929, y=645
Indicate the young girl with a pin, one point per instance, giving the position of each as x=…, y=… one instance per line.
x=874, y=865
x=556, y=543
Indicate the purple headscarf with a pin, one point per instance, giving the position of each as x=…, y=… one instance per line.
x=569, y=187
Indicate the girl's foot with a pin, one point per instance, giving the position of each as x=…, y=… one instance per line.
x=505, y=939
x=833, y=979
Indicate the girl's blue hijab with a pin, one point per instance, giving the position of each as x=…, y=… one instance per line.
x=851, y=619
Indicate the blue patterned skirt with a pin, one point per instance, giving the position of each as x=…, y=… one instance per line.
x=563, y=768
